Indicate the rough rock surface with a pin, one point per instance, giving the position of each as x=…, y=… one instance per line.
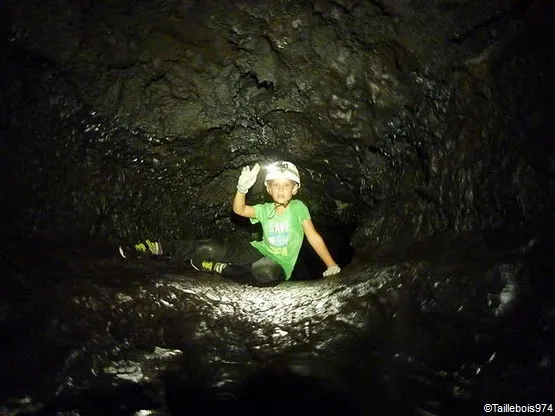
x=402, y=335
x=406, y=118
x=423, y=132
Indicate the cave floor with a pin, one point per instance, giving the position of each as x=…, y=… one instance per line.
x=81, y=326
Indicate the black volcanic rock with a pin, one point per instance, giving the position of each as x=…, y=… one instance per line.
x=423, y=134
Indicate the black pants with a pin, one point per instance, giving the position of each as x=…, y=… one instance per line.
x=246, y=263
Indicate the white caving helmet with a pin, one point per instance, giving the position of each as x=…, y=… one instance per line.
x=282, y=170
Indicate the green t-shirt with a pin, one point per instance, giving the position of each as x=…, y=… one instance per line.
x=282, y=234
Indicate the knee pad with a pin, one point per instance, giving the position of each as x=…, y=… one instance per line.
x=266, y=270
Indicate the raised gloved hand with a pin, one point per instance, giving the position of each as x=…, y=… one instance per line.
x=333, y=269
x=247, y=178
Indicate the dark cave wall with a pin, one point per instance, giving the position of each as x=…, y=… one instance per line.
x=506, y=146
x=489, y=163
x=122, y=124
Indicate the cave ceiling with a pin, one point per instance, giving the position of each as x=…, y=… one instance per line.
x=158, y=104
x=409, y=120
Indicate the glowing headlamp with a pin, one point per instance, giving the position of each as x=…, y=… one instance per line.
x=282, y=170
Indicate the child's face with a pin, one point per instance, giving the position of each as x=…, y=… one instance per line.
x=282, y=190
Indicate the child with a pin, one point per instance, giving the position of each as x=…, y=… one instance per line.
x=285, y=222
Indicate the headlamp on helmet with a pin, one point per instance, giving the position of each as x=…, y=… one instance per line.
x=282, y=170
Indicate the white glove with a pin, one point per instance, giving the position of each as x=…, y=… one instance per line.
x=333, y=269
x=247, y=178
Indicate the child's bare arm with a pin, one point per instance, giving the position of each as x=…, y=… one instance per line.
x=242, y=209
x=317, y=243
